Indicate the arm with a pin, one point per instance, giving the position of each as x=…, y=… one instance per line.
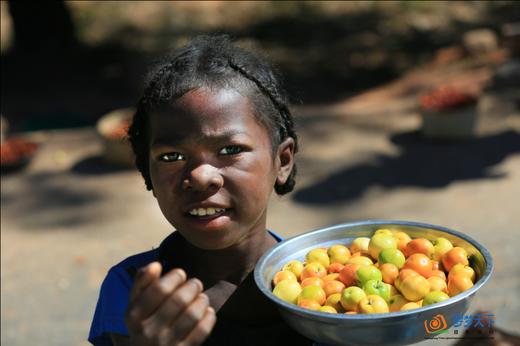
x=119, y=340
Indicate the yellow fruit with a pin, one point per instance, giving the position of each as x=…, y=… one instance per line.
x=287, y=290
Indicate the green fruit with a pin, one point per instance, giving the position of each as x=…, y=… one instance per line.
x=366, y=273
x=392, y=255
x=434, y=297
x=377, y=287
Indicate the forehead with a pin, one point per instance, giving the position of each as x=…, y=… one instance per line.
x=204, y=113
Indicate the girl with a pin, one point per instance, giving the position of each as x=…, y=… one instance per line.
x=212, y=135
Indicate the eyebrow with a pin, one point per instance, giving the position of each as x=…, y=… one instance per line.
x=177, y=140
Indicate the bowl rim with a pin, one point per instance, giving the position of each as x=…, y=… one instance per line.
x=388, y=315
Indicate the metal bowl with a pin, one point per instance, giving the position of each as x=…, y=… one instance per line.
x=395, y=328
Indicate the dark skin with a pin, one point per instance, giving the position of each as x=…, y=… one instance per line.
x=208, y=155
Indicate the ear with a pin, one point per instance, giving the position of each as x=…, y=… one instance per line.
x=285, y=160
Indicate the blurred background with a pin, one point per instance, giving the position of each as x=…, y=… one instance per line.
x=363, y=77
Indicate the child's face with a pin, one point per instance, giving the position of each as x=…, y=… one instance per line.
x=209, y=154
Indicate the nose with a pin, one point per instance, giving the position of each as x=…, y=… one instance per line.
x=204, y=177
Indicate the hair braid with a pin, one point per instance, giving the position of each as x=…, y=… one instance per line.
x=270, y=88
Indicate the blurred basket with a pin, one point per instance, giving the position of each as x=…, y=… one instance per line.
x=453, y=124
x=113, y=130
x=448, y=113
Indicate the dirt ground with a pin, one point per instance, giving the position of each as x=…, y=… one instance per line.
x=69, y=216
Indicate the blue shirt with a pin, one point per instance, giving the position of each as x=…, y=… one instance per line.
x=115, y=290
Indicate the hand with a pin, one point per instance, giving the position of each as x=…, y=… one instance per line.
x=169, y=310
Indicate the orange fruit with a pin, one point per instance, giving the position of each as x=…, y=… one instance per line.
x=313, y=281
x=348, y=274
x=420, y=263
x=419, y=245
x=454, y=256
x=333, y=286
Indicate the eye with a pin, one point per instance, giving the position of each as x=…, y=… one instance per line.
x=231, y=150
x=171, y=157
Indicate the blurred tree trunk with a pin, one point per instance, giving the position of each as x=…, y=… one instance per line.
x=42, y=26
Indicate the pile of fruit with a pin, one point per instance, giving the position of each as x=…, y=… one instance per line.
x=445, y=98
x=385, y=273
x=15, y=150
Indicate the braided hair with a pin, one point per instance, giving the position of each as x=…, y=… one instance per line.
x=214, y=62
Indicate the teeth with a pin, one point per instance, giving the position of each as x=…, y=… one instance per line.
x=205, y=211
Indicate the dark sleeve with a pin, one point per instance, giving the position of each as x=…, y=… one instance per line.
x=110, y=308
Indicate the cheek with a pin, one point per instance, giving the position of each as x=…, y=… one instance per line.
x=163, y=180
x=254, y=179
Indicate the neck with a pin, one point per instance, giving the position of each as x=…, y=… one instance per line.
x=231, y=264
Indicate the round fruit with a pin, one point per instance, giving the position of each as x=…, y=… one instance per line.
x=380, y=242
x=348, y=274
x=458, y=284
x=437, y=284
x=315, y=293
x=460, y=269
x=327, y=308
x=402, y=239
x=434, y=297
x=360, y=245
x=332, y=287
x=283, y=275
x=395, y=303
x=309, y=304
x=339, y=253
x=419, y=245
x=295, y=266
x=318, y=255
x=420, y=263
x=366, y=273
x=351, y=296
x=334, y=301
x=393, y=256
x=414, y=287
x=313, y=281
x=454, y=256
x=410, y=306
x=363, y=260
x=313, y=269
x=287, y=290
x=334, y=267
x=373, y=304
x=389, y=272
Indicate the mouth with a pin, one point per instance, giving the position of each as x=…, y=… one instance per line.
x=207, y=213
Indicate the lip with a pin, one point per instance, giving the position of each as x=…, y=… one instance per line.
x=208, y=218
x=204, y=205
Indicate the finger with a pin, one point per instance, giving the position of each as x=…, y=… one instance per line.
x=173, y=306
x=155, y=294
x=145, y=277
x=202, y=330
x=189, y=318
